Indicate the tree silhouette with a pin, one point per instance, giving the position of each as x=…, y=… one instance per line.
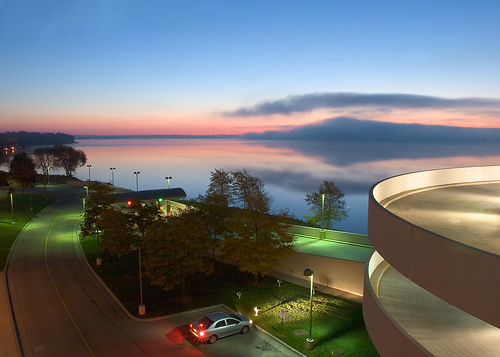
x=326, y=205
x=22, y=171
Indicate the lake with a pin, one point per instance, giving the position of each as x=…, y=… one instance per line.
x=288, y=169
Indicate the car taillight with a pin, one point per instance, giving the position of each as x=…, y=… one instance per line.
x=190, y=325
x=250, y=322
x=202, y=333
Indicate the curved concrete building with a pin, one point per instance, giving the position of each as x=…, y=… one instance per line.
x=432, y=287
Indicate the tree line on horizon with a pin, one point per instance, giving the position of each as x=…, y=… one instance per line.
x=24, y=139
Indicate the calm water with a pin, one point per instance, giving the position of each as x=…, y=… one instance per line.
x=288, y=169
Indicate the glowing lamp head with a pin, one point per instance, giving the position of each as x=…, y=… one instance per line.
x=129, y=203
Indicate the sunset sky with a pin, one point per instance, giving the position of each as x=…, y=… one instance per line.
x=231, y=67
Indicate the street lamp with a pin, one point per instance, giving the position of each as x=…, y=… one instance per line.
x=12, y=205
x=89, y=166
x=86, y=188
x=112, y=175
x=323, y=210
x=136, y=173
x=310, y=342
x=134, y=247
x=322, y=232
x=168, y=178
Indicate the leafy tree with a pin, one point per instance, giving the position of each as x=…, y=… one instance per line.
x=22, y=171
x=260, y=241
x=116, y=233
x=176, y=248
x=44, y=159
x=68, y=158
x=327, y=205
x=216, y=217
x=100, y=198
x=249, y=191
x=141, y=215
x=258, y=238
x=221, y=186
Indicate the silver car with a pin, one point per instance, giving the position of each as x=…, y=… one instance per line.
x=219, y=324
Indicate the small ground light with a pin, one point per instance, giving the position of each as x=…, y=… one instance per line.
x=239, y=293
x=256, y=309
x=279, y=281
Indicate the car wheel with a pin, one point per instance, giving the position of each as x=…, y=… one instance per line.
x=244, y=329
x=212, y=339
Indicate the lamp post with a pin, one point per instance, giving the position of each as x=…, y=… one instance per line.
x=134, y=247
x=12, y=205
x=86, y=188
x=168, y=178
x=322, y=232
x=112, y=175
x=310, y=342
x=323, y=210
x=89, y=166
x=136, y=173
x=48, y=175
x=98, y=260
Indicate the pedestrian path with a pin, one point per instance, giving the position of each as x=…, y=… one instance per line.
x=8, y=344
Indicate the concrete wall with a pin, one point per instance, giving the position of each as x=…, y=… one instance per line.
x=345, y=275
x=463, y=276
x=353, y=238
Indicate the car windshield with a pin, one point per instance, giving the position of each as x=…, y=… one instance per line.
x=235, y=316
x=206, y=322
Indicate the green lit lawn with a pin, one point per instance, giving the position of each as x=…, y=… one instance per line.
x=22, y=215
x=337, y=323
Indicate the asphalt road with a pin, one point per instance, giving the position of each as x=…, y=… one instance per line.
x=61, y=309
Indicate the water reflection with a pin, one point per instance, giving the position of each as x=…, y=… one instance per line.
x=289, y=169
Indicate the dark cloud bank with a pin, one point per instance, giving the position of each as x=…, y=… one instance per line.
x=313, y=101
x=344, y=129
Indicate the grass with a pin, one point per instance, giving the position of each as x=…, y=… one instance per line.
x=337, y=323
x=22, y=215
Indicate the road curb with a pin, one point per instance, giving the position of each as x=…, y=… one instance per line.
x=166, y=317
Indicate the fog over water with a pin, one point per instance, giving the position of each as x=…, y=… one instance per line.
x=289, y=169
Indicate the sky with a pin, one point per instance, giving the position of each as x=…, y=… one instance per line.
x=233, y=67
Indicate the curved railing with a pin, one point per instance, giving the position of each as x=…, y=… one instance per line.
x=463, y=276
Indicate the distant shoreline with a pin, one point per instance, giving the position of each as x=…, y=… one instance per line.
x=173, y=136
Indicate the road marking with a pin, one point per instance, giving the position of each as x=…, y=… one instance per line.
x=55, y=288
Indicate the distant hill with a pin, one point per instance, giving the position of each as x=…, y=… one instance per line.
x=344, y=129
x=23, y=139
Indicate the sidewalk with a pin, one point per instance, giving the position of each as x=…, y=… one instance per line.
x=8, y=344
